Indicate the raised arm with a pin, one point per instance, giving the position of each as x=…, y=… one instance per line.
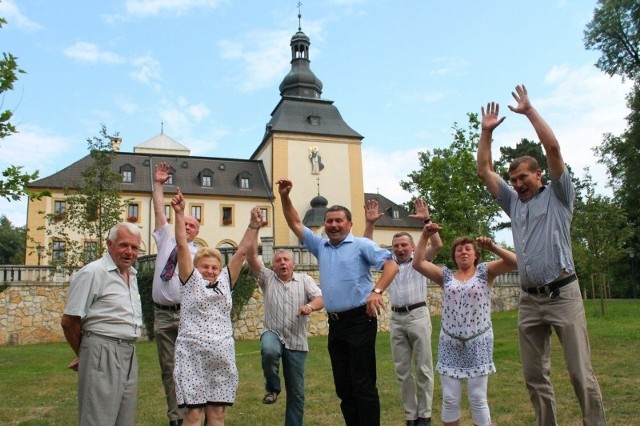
x=290, y=213
x=185, y=261
x=423, y=215
x=420, y=262
x=506, y=263
x=484, y=164
x=371, y=215
x=159, y=178
x=248, y=246
x=544, y=132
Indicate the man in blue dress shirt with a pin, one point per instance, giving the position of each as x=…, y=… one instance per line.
x=352, y=303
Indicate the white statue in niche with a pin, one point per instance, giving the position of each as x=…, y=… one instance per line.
x=316, y=160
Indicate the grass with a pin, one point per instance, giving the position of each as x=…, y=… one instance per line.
x=36, y=388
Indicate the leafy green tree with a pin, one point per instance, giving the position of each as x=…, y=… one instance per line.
x=12, y=242
x=14, y=181
x=447, y=180
x=90, y=210
x=614, y=32
x=599, y=232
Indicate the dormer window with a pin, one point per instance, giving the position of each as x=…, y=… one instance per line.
x=206, y=178
x=244, y=180
x=314, y=120
x=169, y=180
x=128, y=173
x=395, y=213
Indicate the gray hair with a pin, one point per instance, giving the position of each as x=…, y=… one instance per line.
x=130, y=227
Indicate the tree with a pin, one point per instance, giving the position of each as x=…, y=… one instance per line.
x=12, y=241
x=14, y=181
x=614, y=32
x=598, y=234
x=621, y=155
x=447, y=180
x=89, y=210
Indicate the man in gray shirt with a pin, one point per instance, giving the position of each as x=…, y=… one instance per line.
x=102, y=321
x=551, y=297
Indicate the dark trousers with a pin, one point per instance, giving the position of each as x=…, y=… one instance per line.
x=352, y=348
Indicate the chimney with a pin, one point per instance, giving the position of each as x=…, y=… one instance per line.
x=115, y=143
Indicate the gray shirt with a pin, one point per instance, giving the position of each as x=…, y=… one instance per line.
x=540, y=230
x=281, y=303
x=99, y=295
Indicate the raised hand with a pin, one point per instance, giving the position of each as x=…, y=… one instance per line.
x=284, y=187
x=177, y=202
x=490, y=116
x=422, y=210
x=522, y=98
x=430, y=229
x=255, y=221
x=371, y=212
x=162, y=173
x=485, y=242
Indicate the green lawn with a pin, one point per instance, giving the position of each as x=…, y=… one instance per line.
x=36, y=388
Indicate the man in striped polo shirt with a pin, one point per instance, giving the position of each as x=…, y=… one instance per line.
x=289, y=298
x=550, y=298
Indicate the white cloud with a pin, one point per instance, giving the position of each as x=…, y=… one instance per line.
x=147, y=70
x=383, y=170
x=264, y=57
x=89, y=52
x=157, y=7
x=581, y=104
x=34, y=149
x=9, y=10
x=448, y=66
x=183, y=115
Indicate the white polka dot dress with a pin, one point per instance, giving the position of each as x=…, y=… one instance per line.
x=465, y=346
x=205, y=368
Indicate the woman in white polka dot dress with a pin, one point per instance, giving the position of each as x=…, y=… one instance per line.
x=205, y=370
x=465, y=346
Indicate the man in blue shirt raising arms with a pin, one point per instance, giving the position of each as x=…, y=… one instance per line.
x=352, y=303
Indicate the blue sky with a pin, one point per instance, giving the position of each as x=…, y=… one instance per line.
x=400, y=72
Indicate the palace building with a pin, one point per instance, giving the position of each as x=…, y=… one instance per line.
x=306, y=140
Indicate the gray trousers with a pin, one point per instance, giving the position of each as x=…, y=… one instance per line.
x=165, y=328
x=538, y=315
x=410, y=335
x=107, y=382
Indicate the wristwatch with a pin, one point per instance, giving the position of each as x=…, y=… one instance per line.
x=377, y=291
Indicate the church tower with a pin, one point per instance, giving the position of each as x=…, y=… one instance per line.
x=307, y=141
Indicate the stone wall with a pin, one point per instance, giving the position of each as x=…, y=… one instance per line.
x=30, y=312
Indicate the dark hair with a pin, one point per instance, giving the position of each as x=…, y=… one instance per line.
x=460, y=241
x=531, y=163
x=337, y=208
x=403, y=234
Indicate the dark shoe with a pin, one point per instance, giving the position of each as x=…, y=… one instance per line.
x=175, y=422
x=411, y=422
x=423, y=421
x=270, y=398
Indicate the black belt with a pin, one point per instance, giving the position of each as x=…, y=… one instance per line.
x=113, y=339
x=167, y=307
x=408, y=307
x=338, y=316
x=551, y=289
